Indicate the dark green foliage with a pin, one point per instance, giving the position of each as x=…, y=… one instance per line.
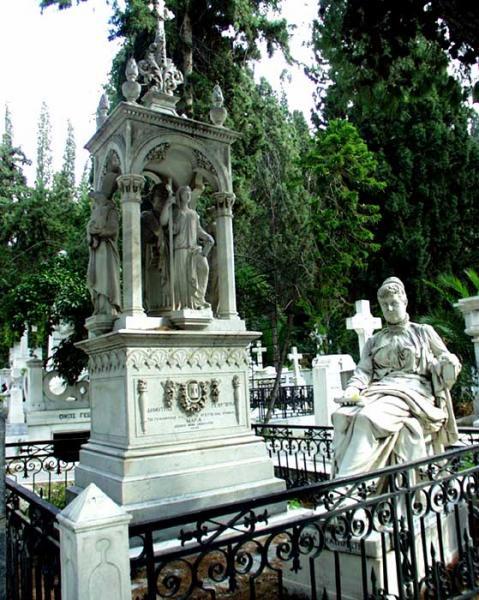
x=44, y=256
x=387, y=27
x=276, y=252
x=449, y=324
x=414, y=117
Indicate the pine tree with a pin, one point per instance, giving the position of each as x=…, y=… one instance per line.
x=44, y=154
x=69, y=155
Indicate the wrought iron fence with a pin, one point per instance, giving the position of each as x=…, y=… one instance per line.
x=291, y=401
x=468, y=436
x=47, y=466
x=406, y=532
x=33, y=546
x=301, y=455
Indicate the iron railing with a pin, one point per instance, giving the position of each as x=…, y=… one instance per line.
x=291, y=401
x=405, y=532
x=33, y=546
x=46, y=466
x=468, y=436
x=301, y=455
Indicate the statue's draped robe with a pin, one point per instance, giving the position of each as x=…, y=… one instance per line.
x=103, y=274
x=156, y=280
x=190, y=266
x=407, y=410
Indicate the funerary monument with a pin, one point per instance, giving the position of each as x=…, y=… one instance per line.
x=167, y=353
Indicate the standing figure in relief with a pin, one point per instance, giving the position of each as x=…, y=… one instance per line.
x=155, y=253
x=191, y=245
x=397, y=405
x=103, y=275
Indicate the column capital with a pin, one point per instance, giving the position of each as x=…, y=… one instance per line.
x=224, y=203
x=131, y=185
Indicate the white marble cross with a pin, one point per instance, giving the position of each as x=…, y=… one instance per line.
x=164, y=14
x=259, y=351
x=363, y=322
x=295, y=357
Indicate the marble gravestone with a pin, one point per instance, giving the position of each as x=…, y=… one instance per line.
x=168, y=358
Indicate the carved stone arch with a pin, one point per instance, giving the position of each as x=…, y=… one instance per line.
x=200, y=159
x=110, y=168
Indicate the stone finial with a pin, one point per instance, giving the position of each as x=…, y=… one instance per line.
x=218, y=112
x=131, y=88
x=217, y=98
x=158, y=72
x=102, y=111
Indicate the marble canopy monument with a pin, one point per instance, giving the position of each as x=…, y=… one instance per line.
x=168, y=357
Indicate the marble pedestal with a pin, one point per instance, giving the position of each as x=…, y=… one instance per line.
x=170, y=424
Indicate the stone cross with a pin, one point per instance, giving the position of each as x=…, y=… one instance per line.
x=162, y=15
x=295, y=357
x=259, y=351
x=363, y=322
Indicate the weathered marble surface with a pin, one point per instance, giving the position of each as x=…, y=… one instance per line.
x=170, y=422
x=103, y=276
x=94, y=548
x=397, y=405
x=189, y=268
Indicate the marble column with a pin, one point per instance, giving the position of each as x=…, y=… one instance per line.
x=225, y=253
x=130, y=188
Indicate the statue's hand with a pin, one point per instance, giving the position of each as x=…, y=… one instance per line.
x=351, y=397
x=448, y=367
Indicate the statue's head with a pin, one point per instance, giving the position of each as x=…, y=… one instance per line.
x=393, y=300
x=158, y=196
x=98, y=198
x=183, y=196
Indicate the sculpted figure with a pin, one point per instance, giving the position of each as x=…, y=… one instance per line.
x=156, y=253
x=397, y=405
x=191, y=245
x=103, y=275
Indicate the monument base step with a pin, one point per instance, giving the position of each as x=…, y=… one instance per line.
x=158, y=484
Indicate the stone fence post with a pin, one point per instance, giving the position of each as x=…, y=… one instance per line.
x=94, y=548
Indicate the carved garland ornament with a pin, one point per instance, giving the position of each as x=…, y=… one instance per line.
x=158, y=153
x=203, y=163
x=158, y=359
x=107, y=362
x=191, y=395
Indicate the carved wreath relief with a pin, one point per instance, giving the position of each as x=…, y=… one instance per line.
x=191, y=395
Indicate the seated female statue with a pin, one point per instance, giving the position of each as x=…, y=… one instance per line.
x=397, y=405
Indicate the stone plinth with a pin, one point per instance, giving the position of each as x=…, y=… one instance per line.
x=170, y=428
x=330, y=373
